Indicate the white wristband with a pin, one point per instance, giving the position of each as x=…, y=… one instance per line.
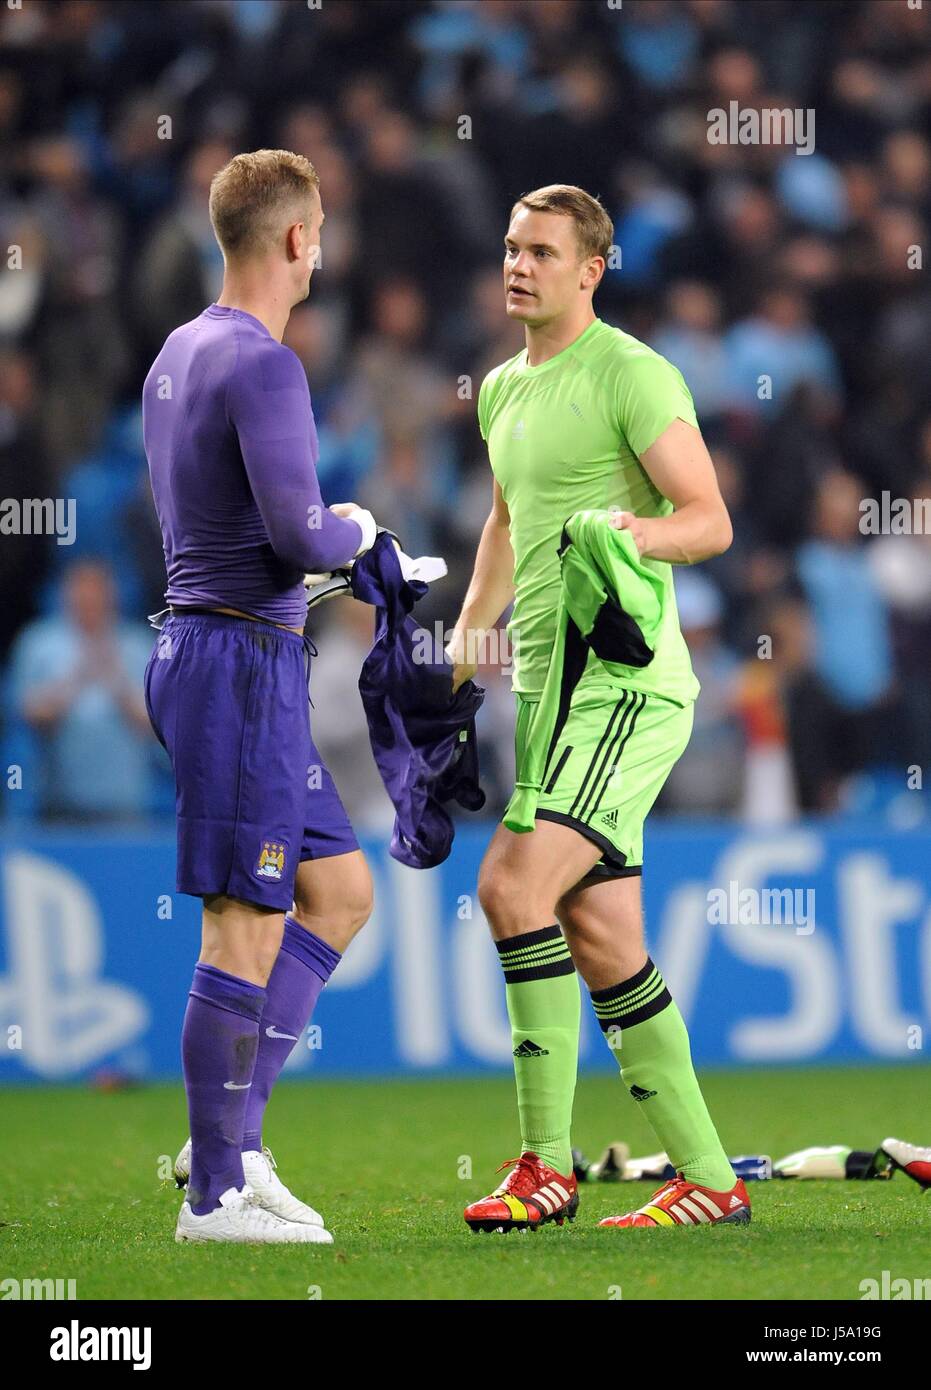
x=369, y=528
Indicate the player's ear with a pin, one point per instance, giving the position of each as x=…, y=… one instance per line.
x=294, y=241
x=592, y=273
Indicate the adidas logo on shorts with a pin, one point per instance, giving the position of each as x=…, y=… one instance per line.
x=610, y=818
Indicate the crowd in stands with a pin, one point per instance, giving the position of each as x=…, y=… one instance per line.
x=789, y=288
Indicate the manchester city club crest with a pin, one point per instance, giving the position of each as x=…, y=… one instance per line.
x=271, y=861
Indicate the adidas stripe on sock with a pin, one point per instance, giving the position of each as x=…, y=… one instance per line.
x=537, y=955
x=633, y=1001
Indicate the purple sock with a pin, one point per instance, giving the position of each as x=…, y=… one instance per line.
x=302, y=968
x=218, y=1049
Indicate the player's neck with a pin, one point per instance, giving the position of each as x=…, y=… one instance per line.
x=550, y=339
x=268, y=306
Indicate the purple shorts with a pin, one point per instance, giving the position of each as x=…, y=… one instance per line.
x=228, y=699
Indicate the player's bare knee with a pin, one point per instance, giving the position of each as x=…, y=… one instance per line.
x=490, y=893
x=577, y=919
x=264, y=958
x=356, y=910
x=508, y=903
x=337, y=921
x=240, y=938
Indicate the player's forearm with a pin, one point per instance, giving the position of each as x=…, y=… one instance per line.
x=696, y=531
x=303, y=532
x=336, y=543
x=492, y=585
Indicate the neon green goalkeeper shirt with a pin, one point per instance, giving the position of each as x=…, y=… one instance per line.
x=566, y=436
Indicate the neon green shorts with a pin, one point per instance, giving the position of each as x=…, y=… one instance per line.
x=608, y=765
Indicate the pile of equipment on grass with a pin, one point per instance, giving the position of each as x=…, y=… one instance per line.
x=835, y=1161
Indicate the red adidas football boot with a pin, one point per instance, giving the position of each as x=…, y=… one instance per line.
x=912, y=1160
x=530, y=1195
x=684, y=1203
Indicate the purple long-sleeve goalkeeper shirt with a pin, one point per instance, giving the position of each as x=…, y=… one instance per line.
x=232, y=450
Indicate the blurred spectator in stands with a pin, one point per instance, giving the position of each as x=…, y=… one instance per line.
x=412, y=229
x=479, y=335
x=22, y=271
x=343, y=629
x=776, y=350
x=852, y=653
x=451, y=38
x=410, y=399
x=810, y=189
x=77, y=680
x=655, y=212
x=786, y=459
x=734, y=244
x=709, y=775
x=900, y=301
x=346, y=428
x=81, y=234
x=135, y=168
x=582, y=136
x=749, y=569
x=104, y=486
x=791, y=714
x=660, y=42
x=783, y=772
x=906, y=166
x=141, y=546
x=180, y=271
x=690, y=336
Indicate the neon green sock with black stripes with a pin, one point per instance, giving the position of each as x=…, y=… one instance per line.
x=545, y=1009
x=647, y=1034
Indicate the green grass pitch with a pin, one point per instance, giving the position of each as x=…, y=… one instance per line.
x=83, y=1198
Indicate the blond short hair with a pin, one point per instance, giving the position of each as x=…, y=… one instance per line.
x=253, y=196
x=594, y=228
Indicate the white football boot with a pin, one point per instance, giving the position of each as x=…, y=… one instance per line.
x=240, y=1220
x=270, y=1192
